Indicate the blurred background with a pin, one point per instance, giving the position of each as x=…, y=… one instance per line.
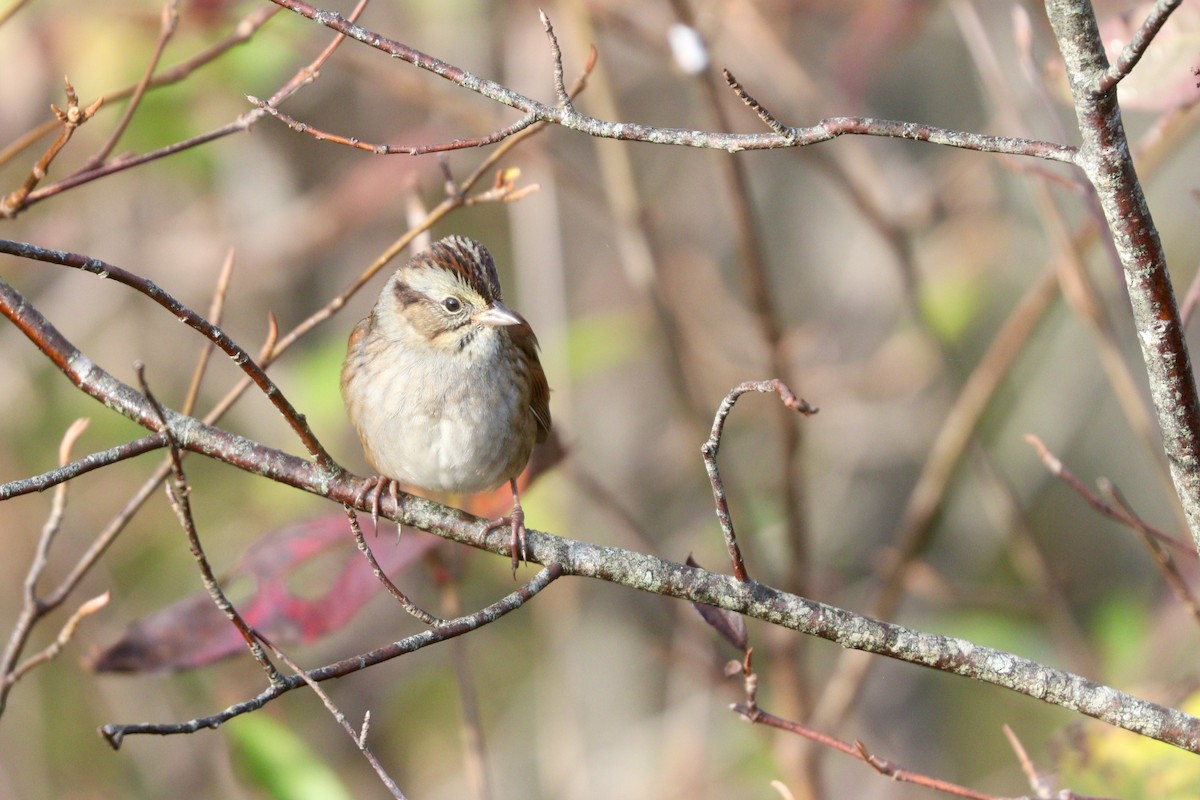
x=936, y=304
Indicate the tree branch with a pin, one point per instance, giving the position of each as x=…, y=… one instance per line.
x=567, y=117
x=615, y=565
x=1105, y=159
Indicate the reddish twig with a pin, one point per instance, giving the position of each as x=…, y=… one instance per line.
x=391, y=149
x=709, y=452
x=1056, y=468
x=751, y=712
x=1119, y=510
x=70, y=119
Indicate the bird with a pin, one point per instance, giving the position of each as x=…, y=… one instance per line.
x=443, y=384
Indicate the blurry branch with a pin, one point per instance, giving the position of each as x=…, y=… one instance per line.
x=115, y=733
x=242, y=32
x=710, y=448
x=1116, y=508
x=752, y=712
x=244, y=122
x=622, y=567
x=566, y=116
x=473, y=737
x=70, y=119
x=7, y=13
x=1132, y=53
x=167, y=26
x=34, y=608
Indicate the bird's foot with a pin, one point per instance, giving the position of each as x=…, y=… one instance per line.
x=372, y=489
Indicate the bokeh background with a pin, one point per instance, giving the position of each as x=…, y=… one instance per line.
x=890, y=269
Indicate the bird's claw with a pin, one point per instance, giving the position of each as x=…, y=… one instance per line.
x=518, y=545
x=373, y=489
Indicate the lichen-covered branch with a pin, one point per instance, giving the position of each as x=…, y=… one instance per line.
x=1105, y=159
x=624, y=567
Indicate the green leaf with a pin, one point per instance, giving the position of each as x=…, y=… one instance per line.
x=270, y=757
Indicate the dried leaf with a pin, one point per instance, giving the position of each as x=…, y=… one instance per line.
x=193, y=633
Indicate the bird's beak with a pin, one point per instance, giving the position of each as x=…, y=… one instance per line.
x=497, y=314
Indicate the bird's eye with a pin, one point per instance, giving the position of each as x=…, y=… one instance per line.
x=452, y=304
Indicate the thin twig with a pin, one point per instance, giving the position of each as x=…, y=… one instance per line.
x=1055, y=467
x=769, y=119
x=1040, y=785
x=709, y=452
x=560, y=89
x=1162, y=558
x=568, y=117
x=115, y=733
x=167, y=25
x=86, y=609
x=405, y=603
x=178, y=493
x=33, y=608
x=752, y=712
x=358, y=737
x=82, y=466
x=303, y=77
x=190, y=318
x=242, y=33
x=391, y=149
x=216, y=311
x=1132, y=52
x=70, y=119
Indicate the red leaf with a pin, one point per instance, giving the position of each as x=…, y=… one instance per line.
x=193, y=633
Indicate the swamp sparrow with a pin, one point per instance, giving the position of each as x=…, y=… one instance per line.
x=443, y=382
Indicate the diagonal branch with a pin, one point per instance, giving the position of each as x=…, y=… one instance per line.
x=190, y=318
x=1132, y=53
